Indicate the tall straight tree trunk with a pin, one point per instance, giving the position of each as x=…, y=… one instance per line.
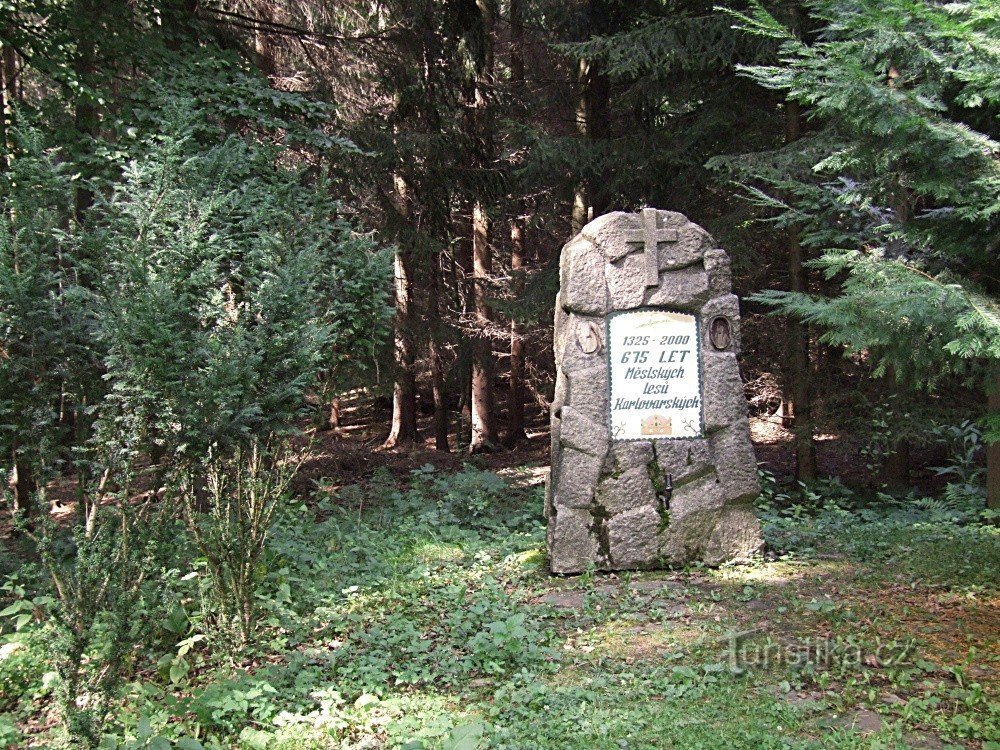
x=593, y=118
x=799, y=375
x=484, y=422
x=895, y=472
x=463, y=302
x=993, y=453
x=438, y=377
x=515, y=395
x=8, y=91
x=21, y=479
x=578, y=215
x=484, y=427
x=403, y=430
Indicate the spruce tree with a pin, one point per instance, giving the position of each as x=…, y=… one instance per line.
x=897, y=184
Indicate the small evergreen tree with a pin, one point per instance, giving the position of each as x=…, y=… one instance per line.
x=897, y=184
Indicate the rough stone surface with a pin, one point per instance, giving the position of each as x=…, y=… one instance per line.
x=587, y=391
x=579, y=431
x=632, y=538
x=685, y=289
x=702, y=492
x=683, y=460
x=576, y=546
x=631, y=453
x=722, y=387
x=736, y=464
x=582, y=277
x=630, y=490
x=720, y=275
x=572, y=356
x=641, y=504
x=576, y=480
x=735, y=536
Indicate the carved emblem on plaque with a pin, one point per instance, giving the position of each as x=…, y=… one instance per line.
x=588, y=337
x=720, y=333
x=657, y=424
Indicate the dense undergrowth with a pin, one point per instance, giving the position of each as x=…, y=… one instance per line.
x=423, y=617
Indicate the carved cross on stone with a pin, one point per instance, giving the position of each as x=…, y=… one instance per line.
x=650, y=238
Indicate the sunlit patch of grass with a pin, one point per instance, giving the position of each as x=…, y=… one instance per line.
x=780, y=572
x=434, y=551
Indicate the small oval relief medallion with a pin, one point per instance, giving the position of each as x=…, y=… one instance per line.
x=720, y=332
x=588, y=337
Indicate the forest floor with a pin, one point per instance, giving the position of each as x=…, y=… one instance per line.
x=408, y=605
x=354, y=452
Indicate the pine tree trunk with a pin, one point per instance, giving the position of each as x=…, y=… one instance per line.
x=8, y=92
x=515, y=395
x=484, y=423
x=403, y=430
x=993, y=454
x=261, y=44
x=21, y=479
x=440, y=393
x=438, y=378
x=484, y=428
x=578, y=216
x=333, y=416
x=798, y=385
x=895, y=472
x=22, y=482
x=85, y=113
x=593, y=118
x=463, y=302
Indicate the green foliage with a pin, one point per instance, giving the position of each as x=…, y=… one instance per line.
x=229, y=518
x=898, y=184
x=948, y=540
x=209, y=308
x=958, y=329
x=407, y=615
x=23, y=669
x=44, y=316
x=185, y=322
x=95, y=614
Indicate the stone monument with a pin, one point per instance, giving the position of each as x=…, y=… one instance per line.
x=652, y=463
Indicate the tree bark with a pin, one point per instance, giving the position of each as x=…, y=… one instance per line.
x=895, y=472
x=8, y=91
x=593, y=119
x=22, y=482
x=438, y=375
x=798, y=384
x=484, y=423
x=993, y=453
x=515, y=397
x=463, y=302
x=403, y=430
x=85, y=116
x=484, y=428
x=515, y=394
x=578, y=215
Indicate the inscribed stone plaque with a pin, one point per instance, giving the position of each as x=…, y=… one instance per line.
x=652, y=463
x=654, y=374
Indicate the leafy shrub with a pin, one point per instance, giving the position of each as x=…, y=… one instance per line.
x=242, y=494
x=23, y=665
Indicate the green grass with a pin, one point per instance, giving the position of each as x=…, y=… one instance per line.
x=426, y=620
